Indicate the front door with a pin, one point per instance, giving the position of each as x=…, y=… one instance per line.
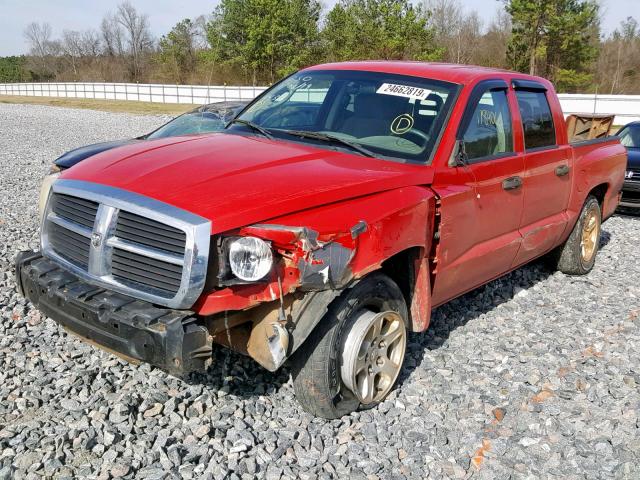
x=481, y=201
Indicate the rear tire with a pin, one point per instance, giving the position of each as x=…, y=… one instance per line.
x=577, y=255
x=317, y=365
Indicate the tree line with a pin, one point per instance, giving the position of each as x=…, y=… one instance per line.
x=255, y=42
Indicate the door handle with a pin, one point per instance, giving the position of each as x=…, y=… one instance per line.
x=562, y=170
x=512, y=183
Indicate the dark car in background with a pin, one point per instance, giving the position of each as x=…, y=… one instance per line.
x=205, y=119
x=630, y=138
x=208, y=118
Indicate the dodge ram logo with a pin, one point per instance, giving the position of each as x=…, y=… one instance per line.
x=96, y=239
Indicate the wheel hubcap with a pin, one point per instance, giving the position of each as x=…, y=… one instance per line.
x=372, y=354
x=590, y=235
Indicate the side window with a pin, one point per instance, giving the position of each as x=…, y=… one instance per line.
x=537, y=121
x=489, y=132
x=630, y=136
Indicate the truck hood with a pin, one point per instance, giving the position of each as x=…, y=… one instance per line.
x=236, y=180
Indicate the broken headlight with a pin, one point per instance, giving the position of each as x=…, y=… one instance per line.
x=250, y=258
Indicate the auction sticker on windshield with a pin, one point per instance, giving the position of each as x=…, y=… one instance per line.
x=403, y=91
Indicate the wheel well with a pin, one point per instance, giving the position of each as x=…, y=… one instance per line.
x=401, y=269
x=599, y=192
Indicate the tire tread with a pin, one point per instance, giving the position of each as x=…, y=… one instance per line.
x=567, y=257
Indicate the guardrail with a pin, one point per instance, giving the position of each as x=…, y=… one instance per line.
x=626, y=108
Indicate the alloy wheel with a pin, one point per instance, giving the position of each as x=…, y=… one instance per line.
x=372, y=354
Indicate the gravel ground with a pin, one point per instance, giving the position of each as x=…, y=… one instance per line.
x=533, y=376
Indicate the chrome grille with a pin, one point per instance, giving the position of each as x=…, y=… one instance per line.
x=631, y=197
x=150, y=233
x=127, y=242
x=132, y=267
x=70, y=245
x=80, y=211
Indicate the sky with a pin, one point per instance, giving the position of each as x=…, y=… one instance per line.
x=164, y=14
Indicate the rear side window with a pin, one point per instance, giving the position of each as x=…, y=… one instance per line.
x=489, y=131
x=537, y=121
x=630, y=136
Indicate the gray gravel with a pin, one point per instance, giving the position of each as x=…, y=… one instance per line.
x=533, y=376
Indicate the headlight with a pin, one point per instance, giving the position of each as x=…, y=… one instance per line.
x=250, y=258
x=44, y=191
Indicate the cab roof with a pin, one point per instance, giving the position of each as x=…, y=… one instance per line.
x=447, y=72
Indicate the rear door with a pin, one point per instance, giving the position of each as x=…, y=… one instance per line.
x=547, y=172
x=481, y=215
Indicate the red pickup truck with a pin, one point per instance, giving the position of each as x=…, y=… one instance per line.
x=324, y=223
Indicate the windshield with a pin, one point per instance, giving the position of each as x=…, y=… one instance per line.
x=394, y=116
x=630, y=136
x=191, y=123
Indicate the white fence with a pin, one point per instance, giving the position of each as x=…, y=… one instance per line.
x=143, y=92
x=626, y=108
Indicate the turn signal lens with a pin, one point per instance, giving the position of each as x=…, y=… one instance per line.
x=44, y=191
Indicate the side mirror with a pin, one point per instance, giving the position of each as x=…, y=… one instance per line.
x=459, y=155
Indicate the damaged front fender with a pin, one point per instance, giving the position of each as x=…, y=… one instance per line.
x=269, y=320
x=321, y=263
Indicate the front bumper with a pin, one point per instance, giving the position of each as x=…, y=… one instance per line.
x=172, y=340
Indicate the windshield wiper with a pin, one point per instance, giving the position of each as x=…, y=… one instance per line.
x=252, y=126
x=325, y=137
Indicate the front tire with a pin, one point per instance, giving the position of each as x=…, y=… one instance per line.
x=578, y=254
x=361, y=338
